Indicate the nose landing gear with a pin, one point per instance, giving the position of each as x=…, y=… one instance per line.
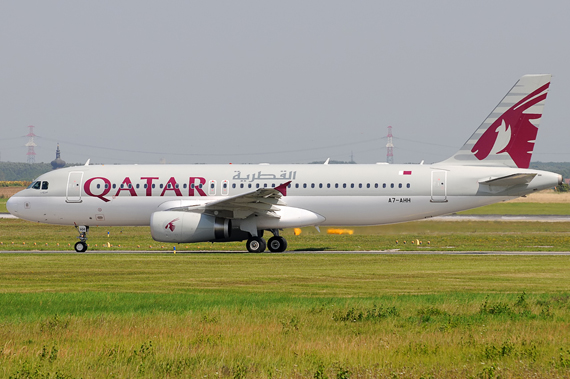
x=81, y=246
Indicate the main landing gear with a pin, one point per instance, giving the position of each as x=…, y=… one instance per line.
x=276, y=244
x=81, y=246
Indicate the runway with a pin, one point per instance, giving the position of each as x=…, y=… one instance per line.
x=379, y=252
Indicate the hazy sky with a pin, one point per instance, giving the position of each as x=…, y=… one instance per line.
x=272, y=81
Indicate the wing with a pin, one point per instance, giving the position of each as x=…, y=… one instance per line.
x=262, y=202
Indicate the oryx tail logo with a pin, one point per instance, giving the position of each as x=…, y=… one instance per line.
x=513, y=133
x=171, y=225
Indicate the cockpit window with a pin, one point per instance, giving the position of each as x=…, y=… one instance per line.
x=36, y=185
x=45, y=185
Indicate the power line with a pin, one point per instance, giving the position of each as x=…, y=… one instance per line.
x=213, y=154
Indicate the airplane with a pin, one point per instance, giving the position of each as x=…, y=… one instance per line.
x=220, y=203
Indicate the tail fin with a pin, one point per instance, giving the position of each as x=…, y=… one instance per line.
x=507, y=136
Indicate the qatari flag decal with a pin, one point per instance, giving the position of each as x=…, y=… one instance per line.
x=405, y=173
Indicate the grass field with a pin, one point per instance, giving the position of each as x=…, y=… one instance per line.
x=228, y=315
x=283, y=316
x=3, y=205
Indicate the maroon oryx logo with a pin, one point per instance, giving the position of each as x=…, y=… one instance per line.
x=171, y=225
x=515, y=129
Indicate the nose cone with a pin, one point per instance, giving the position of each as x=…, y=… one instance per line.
x=11, y=205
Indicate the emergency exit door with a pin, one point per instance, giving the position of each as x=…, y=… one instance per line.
x=74, y=181
x=439, y=186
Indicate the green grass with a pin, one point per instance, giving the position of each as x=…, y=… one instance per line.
x=3, y=201
x=283, y=315
x=521, y=209
x=287, y=315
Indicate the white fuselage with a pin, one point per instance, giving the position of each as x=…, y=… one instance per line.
x=373, y=194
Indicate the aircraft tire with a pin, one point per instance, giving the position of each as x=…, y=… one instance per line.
x=81, y=247
x=256, y=245
x=277, y=244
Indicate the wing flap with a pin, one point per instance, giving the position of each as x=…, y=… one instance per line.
x=263, y=202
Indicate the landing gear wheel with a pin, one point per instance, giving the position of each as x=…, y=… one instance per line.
x=256, y=245
x=80, y=247
x=277, y=244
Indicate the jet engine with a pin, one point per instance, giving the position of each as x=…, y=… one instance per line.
x=180, y=227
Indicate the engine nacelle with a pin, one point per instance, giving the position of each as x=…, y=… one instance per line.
x=180, y=227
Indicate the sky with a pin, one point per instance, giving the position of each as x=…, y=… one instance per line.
x=272, y=81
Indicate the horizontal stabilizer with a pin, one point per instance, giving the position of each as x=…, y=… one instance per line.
x=509, y=180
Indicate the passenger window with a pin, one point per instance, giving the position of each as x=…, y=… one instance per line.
x=336, y=185
x=191, y=186
x=257, y=185
x=199, y=186
x=312, y=185
x=45, y=185
x=304, y=185
x=408, y=185
x=328, y=185
x=233, y=185
x=351, y=185
x=212, y=185
x=384, y=185
x=264, y=185
x=400, y=185
x=296, y=185
x=106, y=185
x=367, y=185
x=98, y=186
x=176, y=186
x=249, y=185
x=241, y=185
x=138, y=186
x=375, y=185
x=392, y=185
x=183, y=186
x=359, y=185
x=114, y=186
x=343, y=185
x=161, y=186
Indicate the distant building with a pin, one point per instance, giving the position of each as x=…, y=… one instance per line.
x=57, y=162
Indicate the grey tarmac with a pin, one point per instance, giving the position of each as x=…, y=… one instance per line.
x=378, y=252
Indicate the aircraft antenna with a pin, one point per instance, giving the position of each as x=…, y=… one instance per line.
x=389, y=147
x=31, y=144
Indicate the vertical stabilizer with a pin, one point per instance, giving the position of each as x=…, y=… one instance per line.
x=507, y=136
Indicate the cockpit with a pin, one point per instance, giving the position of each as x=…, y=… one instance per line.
x=39, y=185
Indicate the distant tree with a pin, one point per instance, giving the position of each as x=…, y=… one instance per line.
x=562, y=188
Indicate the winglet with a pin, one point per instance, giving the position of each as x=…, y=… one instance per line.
x=283, y=188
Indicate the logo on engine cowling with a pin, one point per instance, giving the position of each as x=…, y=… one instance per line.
x=171, y=225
